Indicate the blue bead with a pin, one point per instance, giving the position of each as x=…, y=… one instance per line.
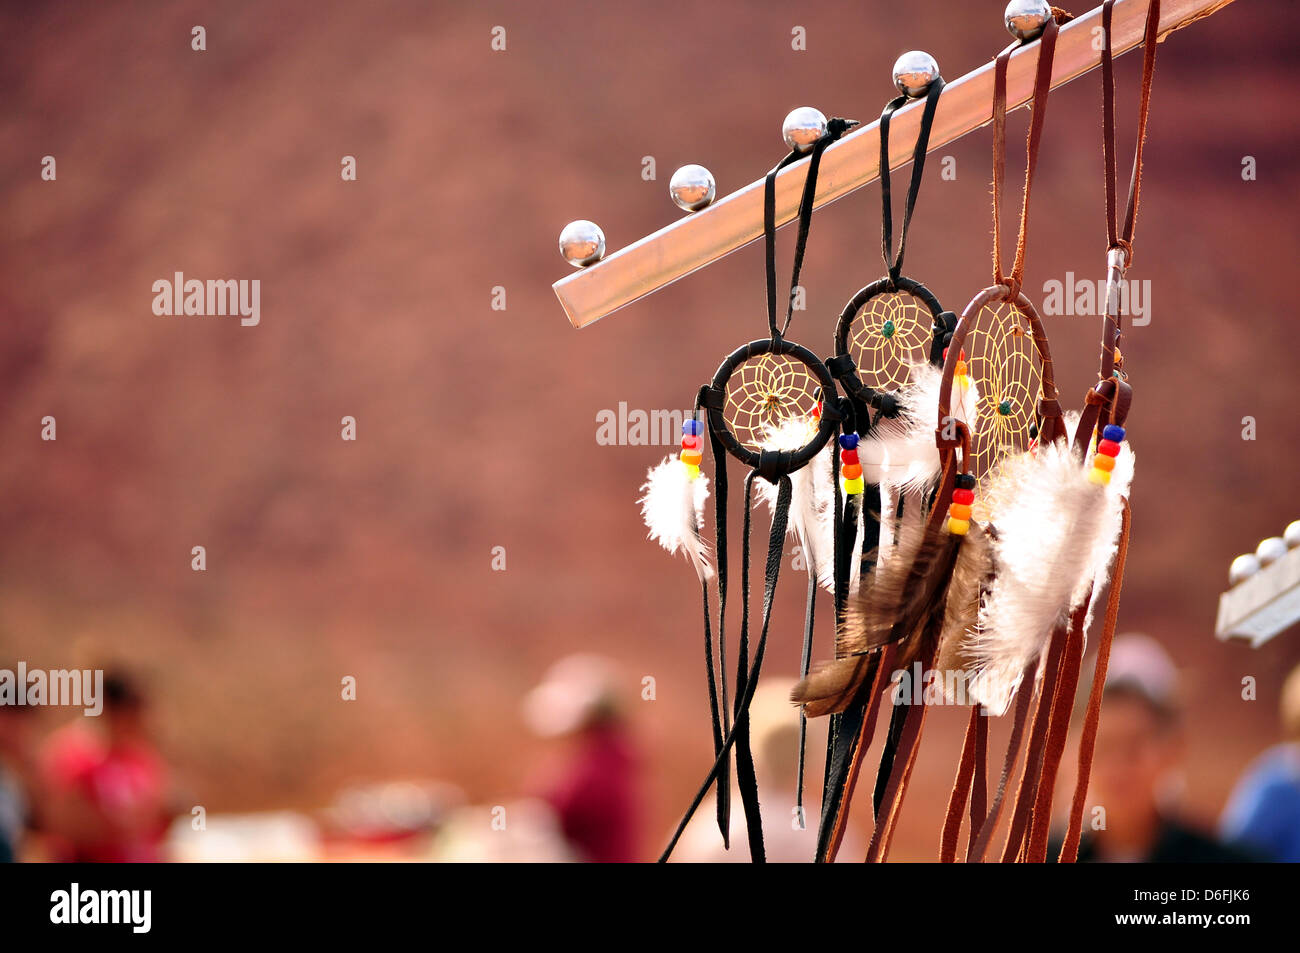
x=1113, y=432
x=849, y=441
x=692, y=428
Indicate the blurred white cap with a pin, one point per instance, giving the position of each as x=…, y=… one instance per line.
x=574, y=689
x=1140, y=663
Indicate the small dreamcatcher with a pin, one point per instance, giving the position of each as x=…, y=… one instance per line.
x=772, y=405
x=889, y=343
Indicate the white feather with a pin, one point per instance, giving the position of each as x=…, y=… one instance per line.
x=672, y=505
x=1105, y=542
x=812, y=498
x=901, y=451
x=1048, y=516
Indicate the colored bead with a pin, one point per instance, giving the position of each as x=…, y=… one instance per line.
x=966, y=497
x=1109, y=447
x=692, y=457
x=960, y=369
x=1099, y=477
x=887, y=329
x=692, y=471
x=849, y=456
x=849, y=441
x=692, y=443
x=852, y=471
x=958, y=527
x=1103, y=462
x=959, y=511
x=965, y=481
x=1113, y=432
x=854, y=486
x=693, y=428
x=1004, y=408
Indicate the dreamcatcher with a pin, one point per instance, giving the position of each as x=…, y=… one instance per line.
x=888, y=344
x=772, y=405
x=1059, y=521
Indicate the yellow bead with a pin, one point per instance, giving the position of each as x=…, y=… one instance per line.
x=958, y=527
x=1099, y=477
x=692, y=472
x=854, y=486
x=959, y=511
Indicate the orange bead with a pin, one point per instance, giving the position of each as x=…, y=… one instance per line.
x=959, y=511
x=1103, y=462
x=692, y=458
x=852, y=471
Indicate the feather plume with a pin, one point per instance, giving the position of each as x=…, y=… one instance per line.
x=1047, y=515
x=900, y=451
x=672, y=505
x=832, y=685
x=901, y=593
x=971, y=577
x=812, y=498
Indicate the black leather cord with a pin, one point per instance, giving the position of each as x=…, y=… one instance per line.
x=894, y=265
x=775, y=547
x=835, y=128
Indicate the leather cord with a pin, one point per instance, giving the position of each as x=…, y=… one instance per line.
x=835, y=128
x=1088, y=739
x=744, y=696
x=1120, y=236
x=1042, y=87
x=894, y=264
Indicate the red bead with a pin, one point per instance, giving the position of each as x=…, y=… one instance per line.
x=849, y=456
x=964, y=497
x=692, y=443
x=1109, y=447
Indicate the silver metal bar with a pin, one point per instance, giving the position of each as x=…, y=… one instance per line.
x=702, y=238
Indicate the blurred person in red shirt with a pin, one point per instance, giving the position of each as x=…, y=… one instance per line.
x=593, y=788
x=107, y=783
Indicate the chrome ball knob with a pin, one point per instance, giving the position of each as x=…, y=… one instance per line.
x=1270, y=550
x=692, y=187
x=582, y=243
x=1292, y=534
x=914, y=71
x=803, y=127
x=1242, y=568
x=1025, y=19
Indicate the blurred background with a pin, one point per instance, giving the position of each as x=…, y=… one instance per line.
x=476, y=531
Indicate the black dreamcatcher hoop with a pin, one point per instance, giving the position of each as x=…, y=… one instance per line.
x=767, y=385
x=886, y=329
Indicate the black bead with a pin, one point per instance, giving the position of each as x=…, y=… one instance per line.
x=965, y=481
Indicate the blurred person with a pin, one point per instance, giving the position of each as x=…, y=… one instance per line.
x=1264, y=811
x=108, y=795
x=16, y=780
x=1136, y=767
x=594, y=786
x=774, y=737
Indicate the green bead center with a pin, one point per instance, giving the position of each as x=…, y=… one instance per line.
x=887, y=329
x=1004, y=408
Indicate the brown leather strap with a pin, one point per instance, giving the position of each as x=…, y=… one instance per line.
x=901, y=772
x=979, y=783
x=1042, y=87
x=984, y=835
x=961, y=789
x=1028, y=789
x=883, y=672
x=1058, y=728
x=1117, y=235
x=1088, y=738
